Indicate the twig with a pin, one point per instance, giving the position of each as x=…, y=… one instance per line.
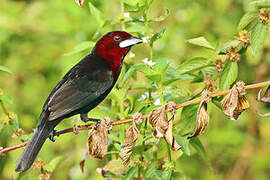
x=89, y=126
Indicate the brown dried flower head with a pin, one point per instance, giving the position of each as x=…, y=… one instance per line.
x=244, y=37
x=46, y=175
x=98, y=139
x=38, y=164
x=232, y=54
x=264, y=16
x=210, y=84
x=234, y=103
x=17, y=133
x=203, y=118
x=219, y=65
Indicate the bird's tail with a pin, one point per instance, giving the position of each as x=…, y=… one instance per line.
x=34, y=145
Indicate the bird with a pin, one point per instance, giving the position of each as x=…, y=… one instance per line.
x=81, y=89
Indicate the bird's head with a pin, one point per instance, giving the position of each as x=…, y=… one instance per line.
x=113, y=47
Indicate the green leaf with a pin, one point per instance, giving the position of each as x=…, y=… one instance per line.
x=228, y=75
x=81, y=47
x=188, y=118
x=5, y=69
x=136, y=28
x=100, y=18
x=196, y=143
x=115, y=138
x=184, y=143
x=131, y=173
x=200, y=41
x=136, y=67
x=258, y=36
x=6, y=99
x=24, y=138
x=260, y=3
x=157, y=36
x=246, y=20
x=131, y=2
x=150, y=170
x=154, y=77
x=192, y=64
x=54, y=163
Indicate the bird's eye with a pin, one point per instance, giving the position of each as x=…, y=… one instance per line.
x=117, y=38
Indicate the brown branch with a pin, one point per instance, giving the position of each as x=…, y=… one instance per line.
x=89, y=126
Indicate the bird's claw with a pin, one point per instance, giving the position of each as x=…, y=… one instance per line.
x=51, y=135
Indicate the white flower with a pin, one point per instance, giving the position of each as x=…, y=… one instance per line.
x=157, y=102
x=155, y=85
x=145, y=39
x=142, y=18
x=143, y=97
x=126, y=15
x=131, y=55
x=149, y=63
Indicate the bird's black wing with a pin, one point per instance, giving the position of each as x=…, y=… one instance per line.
x=84, y=84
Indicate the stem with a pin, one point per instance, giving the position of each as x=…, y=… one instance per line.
x=170, y=159
x=114, y=123
x=169, y=152
x=161, y=94
x=123, y=26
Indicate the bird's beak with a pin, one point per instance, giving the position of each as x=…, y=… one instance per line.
x=130, y=42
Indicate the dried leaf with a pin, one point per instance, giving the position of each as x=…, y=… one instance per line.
x=98, y=139
x=241, y=106
x=131, y=136
x=162, y=127
x=203, y=118
x=159, y=121
x=266, y=96
x=229, y=102
x=170, y=138
x=79, y=2
x=234, y=103
x=201, y=121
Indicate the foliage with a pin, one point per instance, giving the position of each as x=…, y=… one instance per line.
x=41, y=40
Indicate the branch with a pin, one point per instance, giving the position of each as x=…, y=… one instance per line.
x=178, y=106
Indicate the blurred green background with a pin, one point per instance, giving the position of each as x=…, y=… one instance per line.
x=35, y=35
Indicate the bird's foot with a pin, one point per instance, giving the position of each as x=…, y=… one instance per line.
x=85, y=119
x=51, y=135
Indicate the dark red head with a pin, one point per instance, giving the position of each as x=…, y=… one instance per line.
x=114, y=46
